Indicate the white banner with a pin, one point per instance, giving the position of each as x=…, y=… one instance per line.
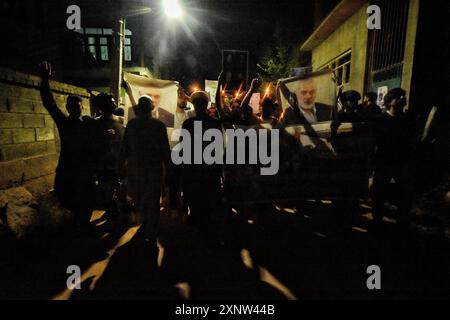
x=311, y=90
x=211, y=88
x=163, y=93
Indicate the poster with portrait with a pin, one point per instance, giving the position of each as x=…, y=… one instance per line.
x=235, y=69
x=313, y=93
x=315, y=160
x=381, y=92
x=255, y=101
x=162, y=92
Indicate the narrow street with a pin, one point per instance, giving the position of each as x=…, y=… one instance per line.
x=281, y=255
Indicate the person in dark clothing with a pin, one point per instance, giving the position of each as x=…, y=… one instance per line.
x=248, y=117
x=269, y=108
x=144, y=157
x=174, y=181
x=393, y=141
x=79, y=136
x=235, y=112
x=369, y=109
x=120, y=112
x=349, y=100
x=201, y=182
x=112, y=134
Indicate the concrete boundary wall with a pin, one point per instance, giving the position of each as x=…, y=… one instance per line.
x=29, y=142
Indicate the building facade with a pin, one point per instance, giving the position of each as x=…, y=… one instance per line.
x=34, y=31
x=380, y=59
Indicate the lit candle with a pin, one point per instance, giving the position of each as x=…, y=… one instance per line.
x=239, y=90
x=267, y=92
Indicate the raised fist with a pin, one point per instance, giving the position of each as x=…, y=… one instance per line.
x=45, y=69
x=255, y=83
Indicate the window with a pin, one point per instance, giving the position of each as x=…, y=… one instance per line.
x=99, y=43
x=92, y=49
x=127, y=49
x=104, y=49
x=93, y=31
x=341, y=67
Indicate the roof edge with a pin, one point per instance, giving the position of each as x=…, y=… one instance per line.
x=344, y=10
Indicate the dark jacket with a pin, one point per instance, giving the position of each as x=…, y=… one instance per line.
x=393, y=139
x=80, y=140
x=323, y=113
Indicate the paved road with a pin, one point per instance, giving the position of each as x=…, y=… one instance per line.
x=274, y=253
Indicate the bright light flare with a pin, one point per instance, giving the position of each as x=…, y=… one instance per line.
x=266, y=92
x=172, y=8
x=238, y=93
x=194, y=87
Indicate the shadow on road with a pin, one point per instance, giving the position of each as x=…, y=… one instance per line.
x=263, y=252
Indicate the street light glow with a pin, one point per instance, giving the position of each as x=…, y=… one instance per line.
x=172, y=8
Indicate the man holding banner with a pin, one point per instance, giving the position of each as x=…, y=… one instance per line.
x=162, y=92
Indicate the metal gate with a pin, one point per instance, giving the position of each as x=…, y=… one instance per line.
x=386, y=46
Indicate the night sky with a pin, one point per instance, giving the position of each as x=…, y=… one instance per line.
x=187, y=49
x=190, y=49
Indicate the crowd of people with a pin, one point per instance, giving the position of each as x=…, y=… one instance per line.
x=102, y=153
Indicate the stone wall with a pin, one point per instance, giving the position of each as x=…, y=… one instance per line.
x=29, y=142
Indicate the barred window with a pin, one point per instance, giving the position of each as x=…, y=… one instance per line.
x=104, y=49
x=127, y=49
x=341, y=67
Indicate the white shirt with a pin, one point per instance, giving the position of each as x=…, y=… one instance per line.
x=180, y=117
x=155, y=113
x=310, y=116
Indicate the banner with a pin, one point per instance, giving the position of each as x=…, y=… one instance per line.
x=315, y=91
x=163, y=93
x=316, y=161
x=235, y=69
x=254, y=102
x=211, y=89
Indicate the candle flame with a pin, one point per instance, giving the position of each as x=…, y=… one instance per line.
x=266, y=92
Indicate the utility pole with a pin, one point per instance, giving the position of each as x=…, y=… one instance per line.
x=117, y=61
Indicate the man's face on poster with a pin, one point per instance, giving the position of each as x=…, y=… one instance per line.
x=306, y=93
x=156, y=97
